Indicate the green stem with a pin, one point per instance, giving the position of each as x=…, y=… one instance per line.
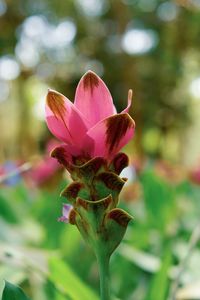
x=103, y=264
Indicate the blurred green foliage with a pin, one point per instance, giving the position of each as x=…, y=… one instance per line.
x=13, y=292
x=49, y=260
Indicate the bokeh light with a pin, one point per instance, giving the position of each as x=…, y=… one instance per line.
x=167, y=11
x=9, y=68
x=35, y=27
x=3, y=7
x=59, y=36
x=27, y=52
x=139, y=41
x=93, y=8
x=195, y=88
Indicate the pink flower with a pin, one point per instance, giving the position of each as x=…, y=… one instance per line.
x=194, y=175
x=44, y=169
x=91, y=126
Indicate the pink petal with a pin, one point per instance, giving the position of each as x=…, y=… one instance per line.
x=93, y=98
x=130, y=94
x=110, y=135
x=64, y=120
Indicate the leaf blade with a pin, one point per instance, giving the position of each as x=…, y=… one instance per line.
x=13, y=292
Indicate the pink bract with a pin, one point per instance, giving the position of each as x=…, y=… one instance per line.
x=91, y=126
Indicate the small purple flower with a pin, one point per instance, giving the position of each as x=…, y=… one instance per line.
x=65, y=213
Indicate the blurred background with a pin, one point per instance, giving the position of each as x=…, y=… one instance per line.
x=151, y=46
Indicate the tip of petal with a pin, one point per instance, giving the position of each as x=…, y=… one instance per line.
x=90, y=71
x=51, y=92
x=130, y=95
x=90, y=80
x=56, y=102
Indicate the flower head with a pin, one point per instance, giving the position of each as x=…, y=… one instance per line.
x=91, y=126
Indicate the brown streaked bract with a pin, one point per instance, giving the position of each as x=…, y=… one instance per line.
x=117, y=127
x=120, y=216
x=111, y=180
x=72, y=190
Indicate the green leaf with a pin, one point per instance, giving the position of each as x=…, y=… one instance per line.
x=159, y=199
x=160, y=281
x=67, y=281
x=7, y=211
x=13, y=292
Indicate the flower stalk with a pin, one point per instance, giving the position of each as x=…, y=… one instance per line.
x=103, y=265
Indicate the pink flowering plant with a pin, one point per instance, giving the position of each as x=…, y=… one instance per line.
x=92, y=133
